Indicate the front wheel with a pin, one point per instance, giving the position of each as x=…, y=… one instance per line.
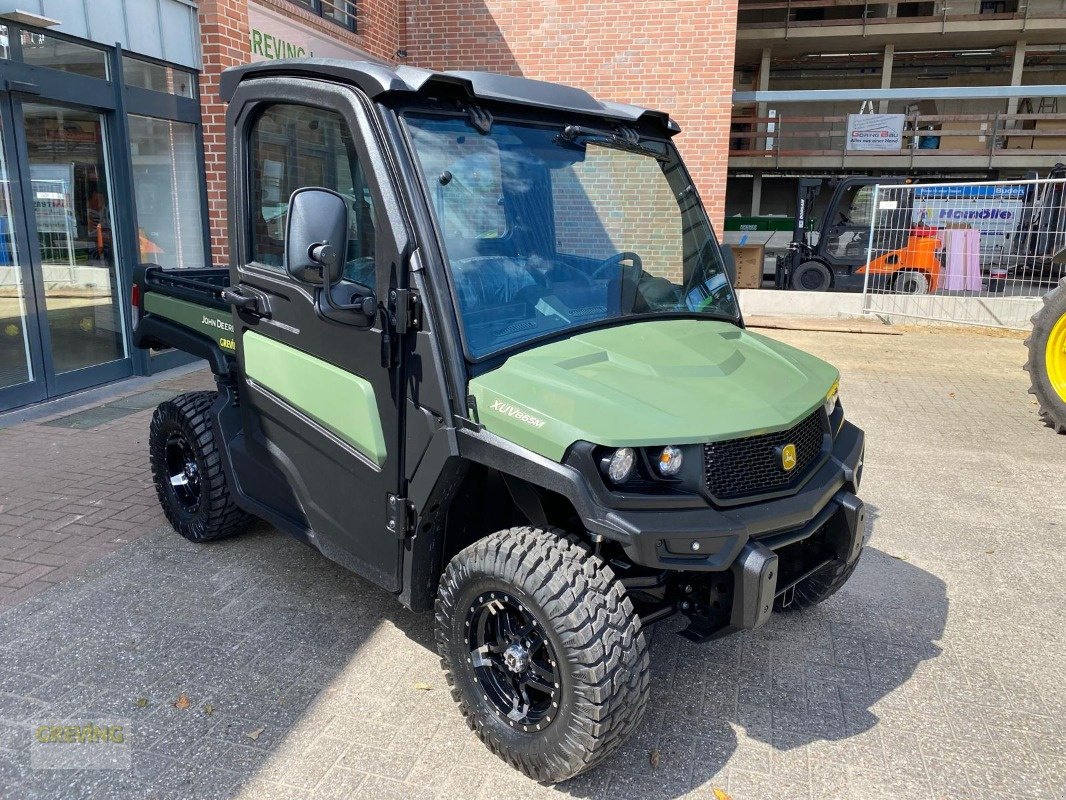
x=816, y=589
x=543, y=650
x=911, y=282
x=812, y=276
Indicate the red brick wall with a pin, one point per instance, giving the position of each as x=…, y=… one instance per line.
x=224, y=33
x=675, y=55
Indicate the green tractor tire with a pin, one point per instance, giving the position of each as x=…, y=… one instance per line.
x=1047, y=358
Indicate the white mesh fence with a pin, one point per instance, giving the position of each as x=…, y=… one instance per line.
x=971, y=253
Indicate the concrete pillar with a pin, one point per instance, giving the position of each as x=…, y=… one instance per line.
x=762, y=84
x=756, y=194
x=886, y=74
x=1016, y=74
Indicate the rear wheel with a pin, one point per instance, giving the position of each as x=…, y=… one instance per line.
x=911, y=282
x=543, y=650
x=187, y=470
x=1047, y=358
x=812, y=276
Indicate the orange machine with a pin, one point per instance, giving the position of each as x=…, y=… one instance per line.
x=914, y=268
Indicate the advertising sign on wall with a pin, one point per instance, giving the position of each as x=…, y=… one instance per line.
x=993, y=209
x=875, y=131
x=273, y=35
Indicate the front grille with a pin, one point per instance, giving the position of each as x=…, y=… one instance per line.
x=750, y=466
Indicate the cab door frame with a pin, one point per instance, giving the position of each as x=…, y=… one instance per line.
x=319, y=484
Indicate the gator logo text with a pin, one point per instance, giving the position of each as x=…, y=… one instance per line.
x=517, y=413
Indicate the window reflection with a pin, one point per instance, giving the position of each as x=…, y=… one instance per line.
x=73, y=221
x=166, y=184
x=42, y=50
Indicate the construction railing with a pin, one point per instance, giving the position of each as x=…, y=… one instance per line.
x=924, y=136
x=820, y=13
x=972, y=253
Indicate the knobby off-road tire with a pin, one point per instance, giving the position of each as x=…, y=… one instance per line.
x=593, y=642
x=818, y=588
x=1052, y=403
x=187, y=470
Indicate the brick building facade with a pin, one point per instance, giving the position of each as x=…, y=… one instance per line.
x=676, y=55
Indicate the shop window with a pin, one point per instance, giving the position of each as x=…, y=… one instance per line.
x=293, y=147
x=158, y=77
x=340, y=11
x=166, y=186
x=42, y=50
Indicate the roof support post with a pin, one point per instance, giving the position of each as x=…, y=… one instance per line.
x=886, y=75
x=1017, y=68
x=763, y=85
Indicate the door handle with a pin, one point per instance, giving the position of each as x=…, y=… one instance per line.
x=247, y=303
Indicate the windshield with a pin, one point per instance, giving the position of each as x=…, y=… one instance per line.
x=544, y=233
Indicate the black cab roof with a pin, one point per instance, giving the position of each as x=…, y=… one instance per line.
x=378, y=81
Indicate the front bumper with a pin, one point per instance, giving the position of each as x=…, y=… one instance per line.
x=757, y=573
x=707, y=539
x=765, y=548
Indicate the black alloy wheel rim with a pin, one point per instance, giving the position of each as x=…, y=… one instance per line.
x=183, y=473
x=513, y=660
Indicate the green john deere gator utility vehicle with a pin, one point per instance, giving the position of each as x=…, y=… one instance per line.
x=477, y=342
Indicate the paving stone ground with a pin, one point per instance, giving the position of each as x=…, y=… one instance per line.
x=937, y=672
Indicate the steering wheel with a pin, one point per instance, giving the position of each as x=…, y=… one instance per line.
x=616, y=261
x=713, y=297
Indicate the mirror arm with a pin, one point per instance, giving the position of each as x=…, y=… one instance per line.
x=325, y=254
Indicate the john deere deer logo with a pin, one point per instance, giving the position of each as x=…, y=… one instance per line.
x=788, y=457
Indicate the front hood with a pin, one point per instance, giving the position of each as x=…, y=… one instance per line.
x=647, y=383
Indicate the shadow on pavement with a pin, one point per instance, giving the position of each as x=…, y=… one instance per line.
x=297, y=673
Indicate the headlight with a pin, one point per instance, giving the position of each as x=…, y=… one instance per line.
x=620, y=464
x=831, y=398
x=669, y=460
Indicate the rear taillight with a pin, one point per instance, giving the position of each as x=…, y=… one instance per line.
x=135, y=303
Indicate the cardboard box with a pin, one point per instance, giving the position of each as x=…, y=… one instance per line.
x=749, y=258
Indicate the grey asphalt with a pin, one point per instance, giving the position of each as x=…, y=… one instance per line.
x=254, y=668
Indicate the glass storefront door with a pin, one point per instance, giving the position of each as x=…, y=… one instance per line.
x=18, y=367
x=101, y=168
x=62, y=325
x=69, y=182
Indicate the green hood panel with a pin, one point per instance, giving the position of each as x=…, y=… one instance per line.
x=648, y=383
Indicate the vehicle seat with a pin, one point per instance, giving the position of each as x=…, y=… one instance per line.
x=489, y=281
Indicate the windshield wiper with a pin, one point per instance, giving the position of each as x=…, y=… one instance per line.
x=625, y=139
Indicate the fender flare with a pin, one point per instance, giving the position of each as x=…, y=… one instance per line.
x=158, y=332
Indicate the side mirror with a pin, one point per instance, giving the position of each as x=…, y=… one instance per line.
x=316, y=236
x=730, y=263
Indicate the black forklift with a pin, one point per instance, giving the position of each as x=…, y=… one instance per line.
x=829, y=256
x=1041, y=233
